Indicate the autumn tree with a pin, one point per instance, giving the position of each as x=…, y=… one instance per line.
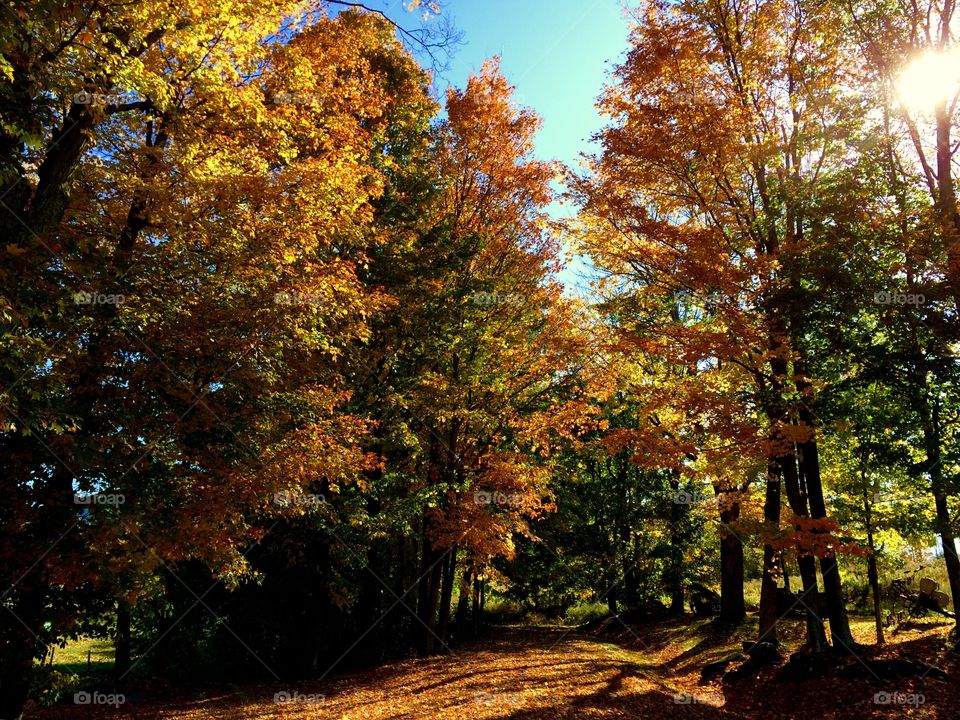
x=478, y=371
x=724, y=123
x=908, y=55
x=190, y=204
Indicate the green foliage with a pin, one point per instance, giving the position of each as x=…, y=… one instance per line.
x=52, y=686
x=583, y=613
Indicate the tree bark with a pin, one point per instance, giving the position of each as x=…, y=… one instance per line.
x=946, y=199
x=428, y=595
x=18, y=649
x=810, y=597
x=873, y=576
x=476, y=604
x=829, y=568
x=931, y=434
x=463, y=604
x=121, y=655
x=874, y=580
x=446, y=593
x=732, y=605
x=675, y=567
x=768, y=584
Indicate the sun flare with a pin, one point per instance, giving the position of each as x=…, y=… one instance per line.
x=932, y=78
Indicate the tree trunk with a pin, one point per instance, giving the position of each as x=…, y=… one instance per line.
x=478, y=601
x=22, y=619
x=121, y=641
x=810, y=597
x=446, y=593
x=768, y=584
x=394, y=619
x=428, y=595
x=732, y=606
x=18, y=649
x=675, y=568
x=463, y=604
x=932, y=443
x=874, y=579
x=476, y=604
x=816, y=632
x=949, y=543
x=55, y=179
x=318, y=624
x=785, y=571
x=873, y=576
x=829, y=569
x=776, y=413
x=946, y=199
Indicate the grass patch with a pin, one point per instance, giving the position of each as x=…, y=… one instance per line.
x=582, y=613
x=73, y=658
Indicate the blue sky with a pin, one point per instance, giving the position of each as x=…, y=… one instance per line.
x=557, y=53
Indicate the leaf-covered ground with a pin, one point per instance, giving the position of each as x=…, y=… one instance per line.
x=538, y=673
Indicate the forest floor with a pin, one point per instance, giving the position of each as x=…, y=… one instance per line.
x=610, y=670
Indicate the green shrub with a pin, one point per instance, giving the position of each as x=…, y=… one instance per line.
x=585, y=612
x=51, y=686
x=503, y=610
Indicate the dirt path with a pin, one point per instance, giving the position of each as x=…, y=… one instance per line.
x=542, y=673
x=519, y=674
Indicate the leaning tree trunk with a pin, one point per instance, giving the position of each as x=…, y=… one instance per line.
x=949, y=543
x=932, y=443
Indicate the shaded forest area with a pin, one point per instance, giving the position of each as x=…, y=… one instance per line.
x=290, y=384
